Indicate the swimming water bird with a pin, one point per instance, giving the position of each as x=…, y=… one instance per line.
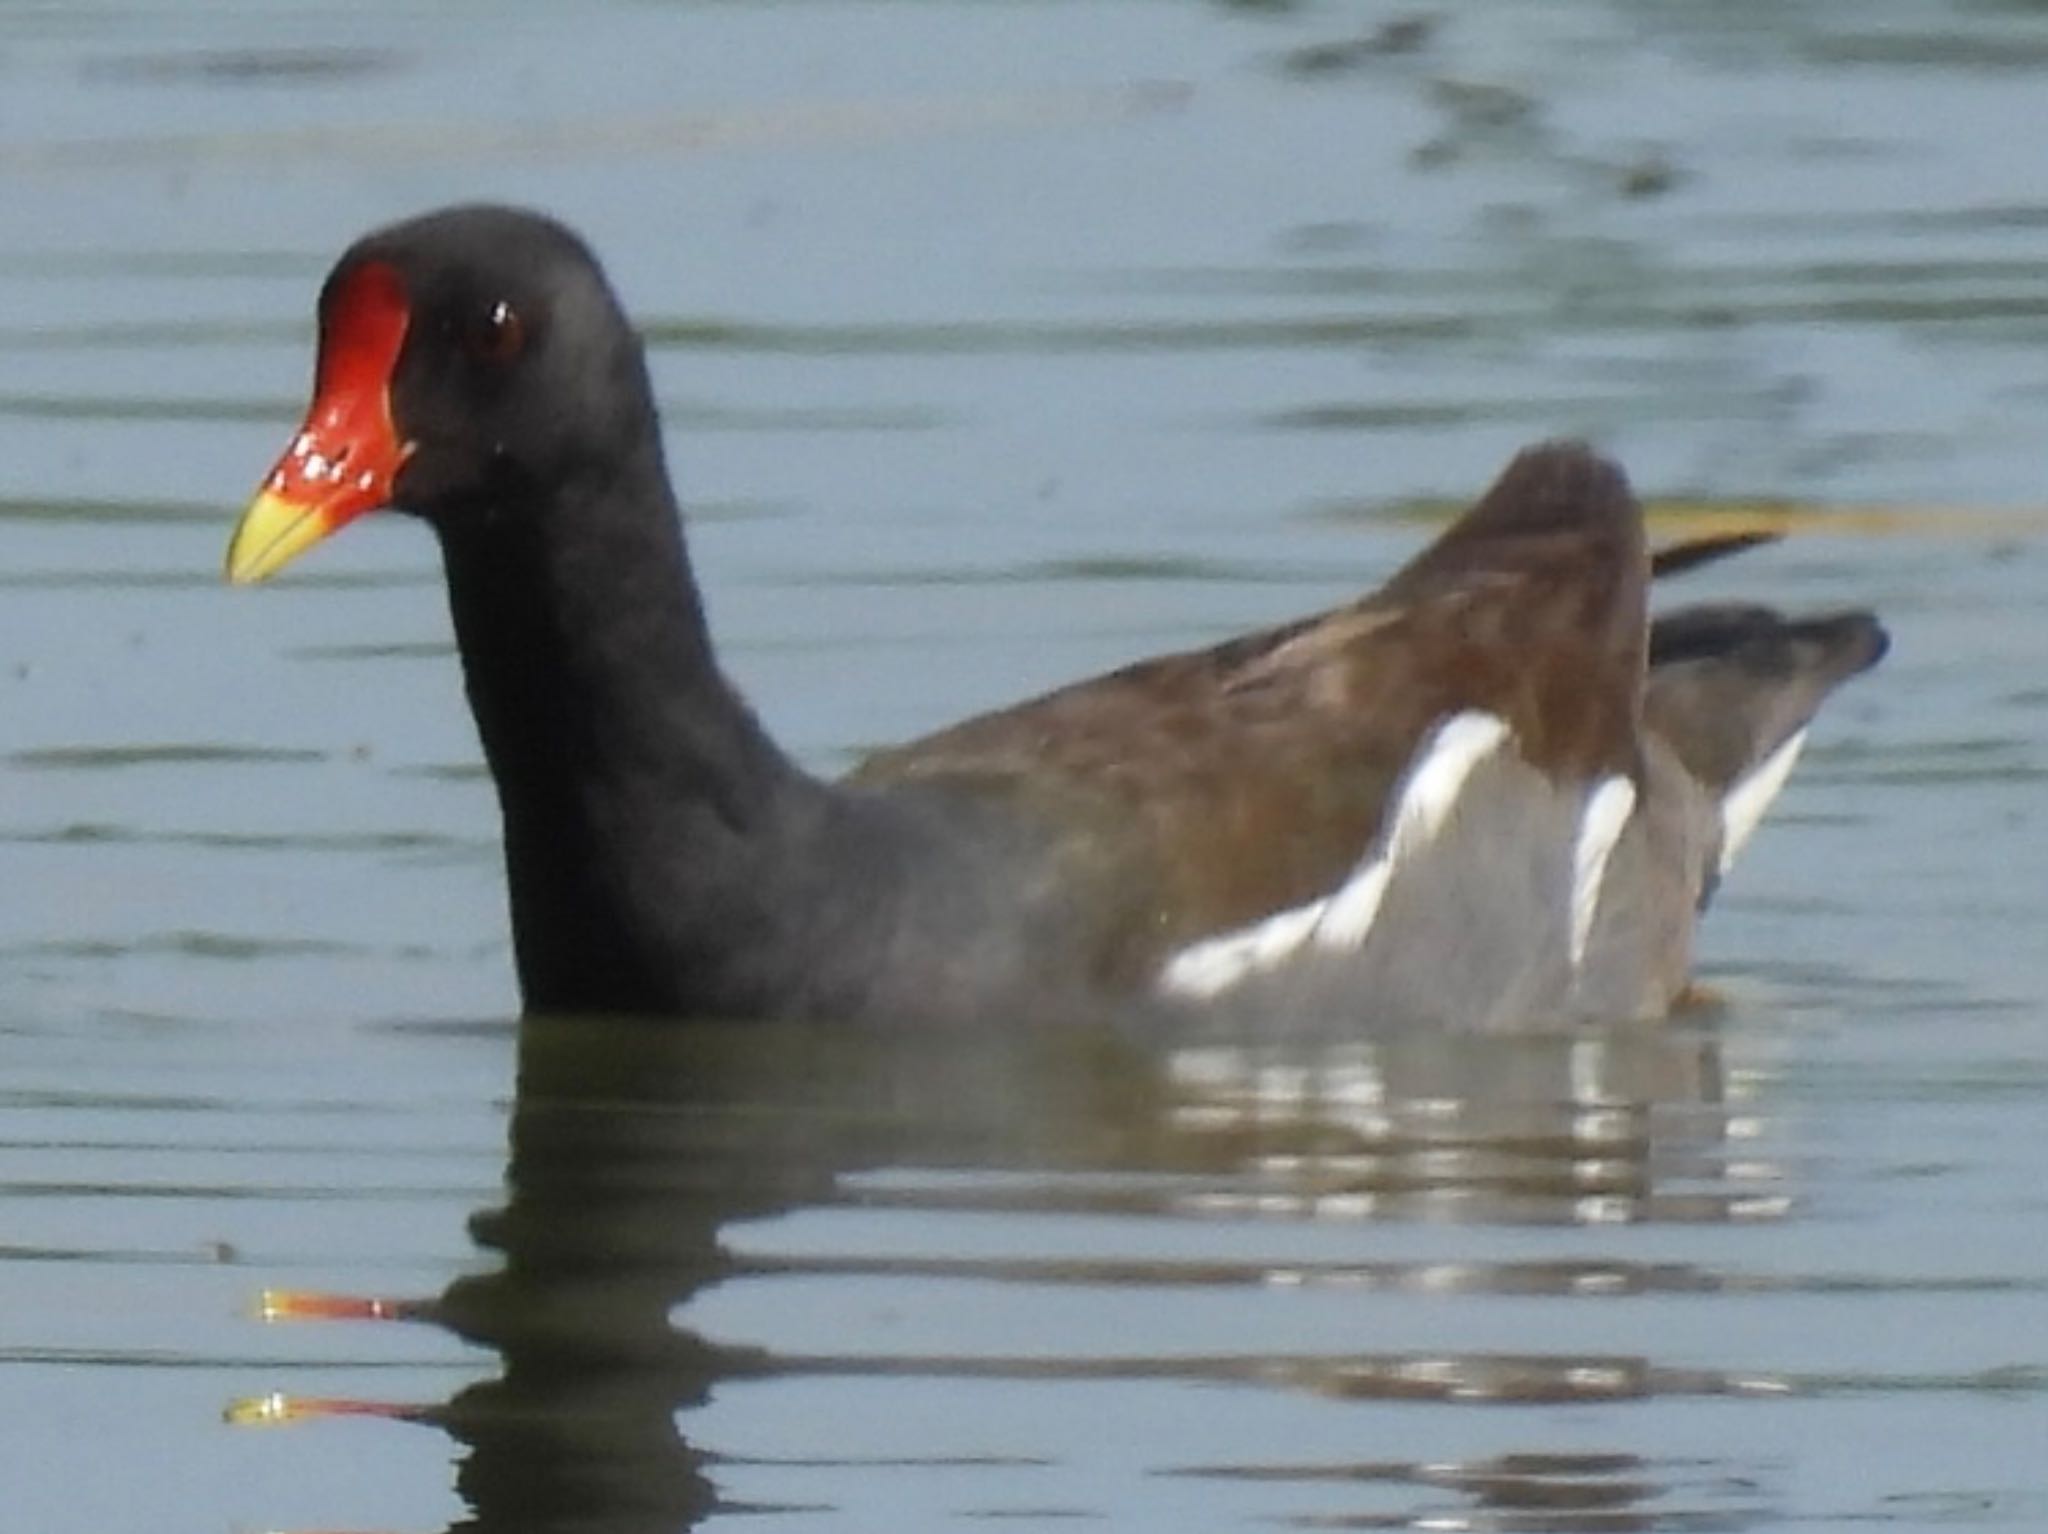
x=1491, y=793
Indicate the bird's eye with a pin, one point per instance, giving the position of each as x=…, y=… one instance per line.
x=497, y=335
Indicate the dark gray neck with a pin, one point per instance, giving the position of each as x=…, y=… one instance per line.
x=646, y=810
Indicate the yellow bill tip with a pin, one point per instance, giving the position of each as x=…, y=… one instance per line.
x=272, y=533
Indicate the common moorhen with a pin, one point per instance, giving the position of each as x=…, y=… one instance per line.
x=1490, y=794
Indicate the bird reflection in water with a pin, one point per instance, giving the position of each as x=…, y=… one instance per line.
x=635, y=1150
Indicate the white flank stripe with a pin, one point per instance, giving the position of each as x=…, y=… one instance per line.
x=1432, y=787
x=1608, y=808
x=1343, y=919
x=1215, y=964
x=1743, y=810
x=1350, y=913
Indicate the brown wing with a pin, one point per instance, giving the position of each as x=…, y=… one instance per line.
x=1208, y=789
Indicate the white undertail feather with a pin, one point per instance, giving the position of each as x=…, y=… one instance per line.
x=1608, y=808
x=1742, y=810
x=1344, y=918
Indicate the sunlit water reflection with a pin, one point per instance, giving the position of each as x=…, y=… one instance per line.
x=1072, y=1216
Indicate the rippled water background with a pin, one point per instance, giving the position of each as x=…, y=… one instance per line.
x=1001, y=343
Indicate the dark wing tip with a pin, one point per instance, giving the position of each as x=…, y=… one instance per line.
x=1561, y=497
x=1532, y=606
x=1551, y=487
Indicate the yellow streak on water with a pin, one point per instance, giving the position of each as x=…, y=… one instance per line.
x=1686, y=517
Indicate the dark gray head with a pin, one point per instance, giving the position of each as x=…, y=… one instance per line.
x=472, y=362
